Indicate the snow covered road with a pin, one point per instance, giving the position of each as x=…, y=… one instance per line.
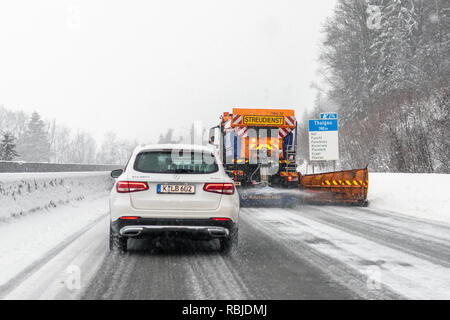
x=310, y=252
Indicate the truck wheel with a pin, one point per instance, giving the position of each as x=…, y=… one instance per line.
x=228, y=244
x=364, y=203
x=116, y=241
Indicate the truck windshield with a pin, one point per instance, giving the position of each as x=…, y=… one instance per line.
x=185, y=162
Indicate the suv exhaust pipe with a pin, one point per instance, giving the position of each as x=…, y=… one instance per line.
x=218, y=232
x=131, y=231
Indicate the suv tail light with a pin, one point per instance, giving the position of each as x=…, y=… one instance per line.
x=222, y=188
x=131, y=186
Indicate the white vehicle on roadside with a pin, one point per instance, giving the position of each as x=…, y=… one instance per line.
x=173, y=190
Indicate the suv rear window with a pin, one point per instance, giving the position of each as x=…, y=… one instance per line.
x=182, y=162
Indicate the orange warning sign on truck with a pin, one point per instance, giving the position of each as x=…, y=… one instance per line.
x=263, y=120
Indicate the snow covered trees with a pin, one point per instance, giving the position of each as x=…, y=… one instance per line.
x=169, y=137
x=8, y=147
x=389, y=81
x=38, y=140
x=114, y=150
x=34, y=146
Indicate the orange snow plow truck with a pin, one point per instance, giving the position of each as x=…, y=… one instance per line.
x=258, y=149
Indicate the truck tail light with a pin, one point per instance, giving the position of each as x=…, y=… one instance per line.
x=131, y=186
x=222, y=188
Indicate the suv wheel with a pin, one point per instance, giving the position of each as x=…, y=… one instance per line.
x=116, y=241
x=229, y=243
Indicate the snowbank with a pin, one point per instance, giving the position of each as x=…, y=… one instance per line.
x=42, y=232
x=420, y=195
x=23, y=193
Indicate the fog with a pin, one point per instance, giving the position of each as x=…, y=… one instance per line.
x=139, y=67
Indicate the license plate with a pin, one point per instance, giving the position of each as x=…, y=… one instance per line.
x=175, y=188
x=237, y=183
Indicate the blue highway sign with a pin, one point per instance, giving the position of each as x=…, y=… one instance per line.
x=323, y=125
x=331, y=115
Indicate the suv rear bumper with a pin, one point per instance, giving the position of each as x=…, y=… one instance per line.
x=186, y=228
x=189, y=231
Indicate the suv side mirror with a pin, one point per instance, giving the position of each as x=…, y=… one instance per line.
x=214, y=136
x=116, y=173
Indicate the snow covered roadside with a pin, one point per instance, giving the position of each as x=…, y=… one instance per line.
x=424, y=196
x=26, y=239
x=39, y=211
x=25, y=193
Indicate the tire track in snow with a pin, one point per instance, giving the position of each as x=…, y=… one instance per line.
x=175, y=270
x=400, y=272
x=271, y=271
x=111, y=278
x=277, y=225
x=211, y=277
x=429, y=229
x=433, y=249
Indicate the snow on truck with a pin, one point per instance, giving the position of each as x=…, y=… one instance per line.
x=258, y=149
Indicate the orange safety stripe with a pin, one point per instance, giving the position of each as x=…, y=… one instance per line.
x=286, y=173
x=240, y=160
x=345, y=183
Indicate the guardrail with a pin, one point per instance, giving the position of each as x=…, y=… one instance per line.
x=19, y=166
x=28, y=192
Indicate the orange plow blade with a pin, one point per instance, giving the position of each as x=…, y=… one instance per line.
x=340, y=187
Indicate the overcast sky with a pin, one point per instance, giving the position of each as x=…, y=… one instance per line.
x=139, y=67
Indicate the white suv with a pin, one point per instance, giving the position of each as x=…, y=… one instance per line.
x=179, y=190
